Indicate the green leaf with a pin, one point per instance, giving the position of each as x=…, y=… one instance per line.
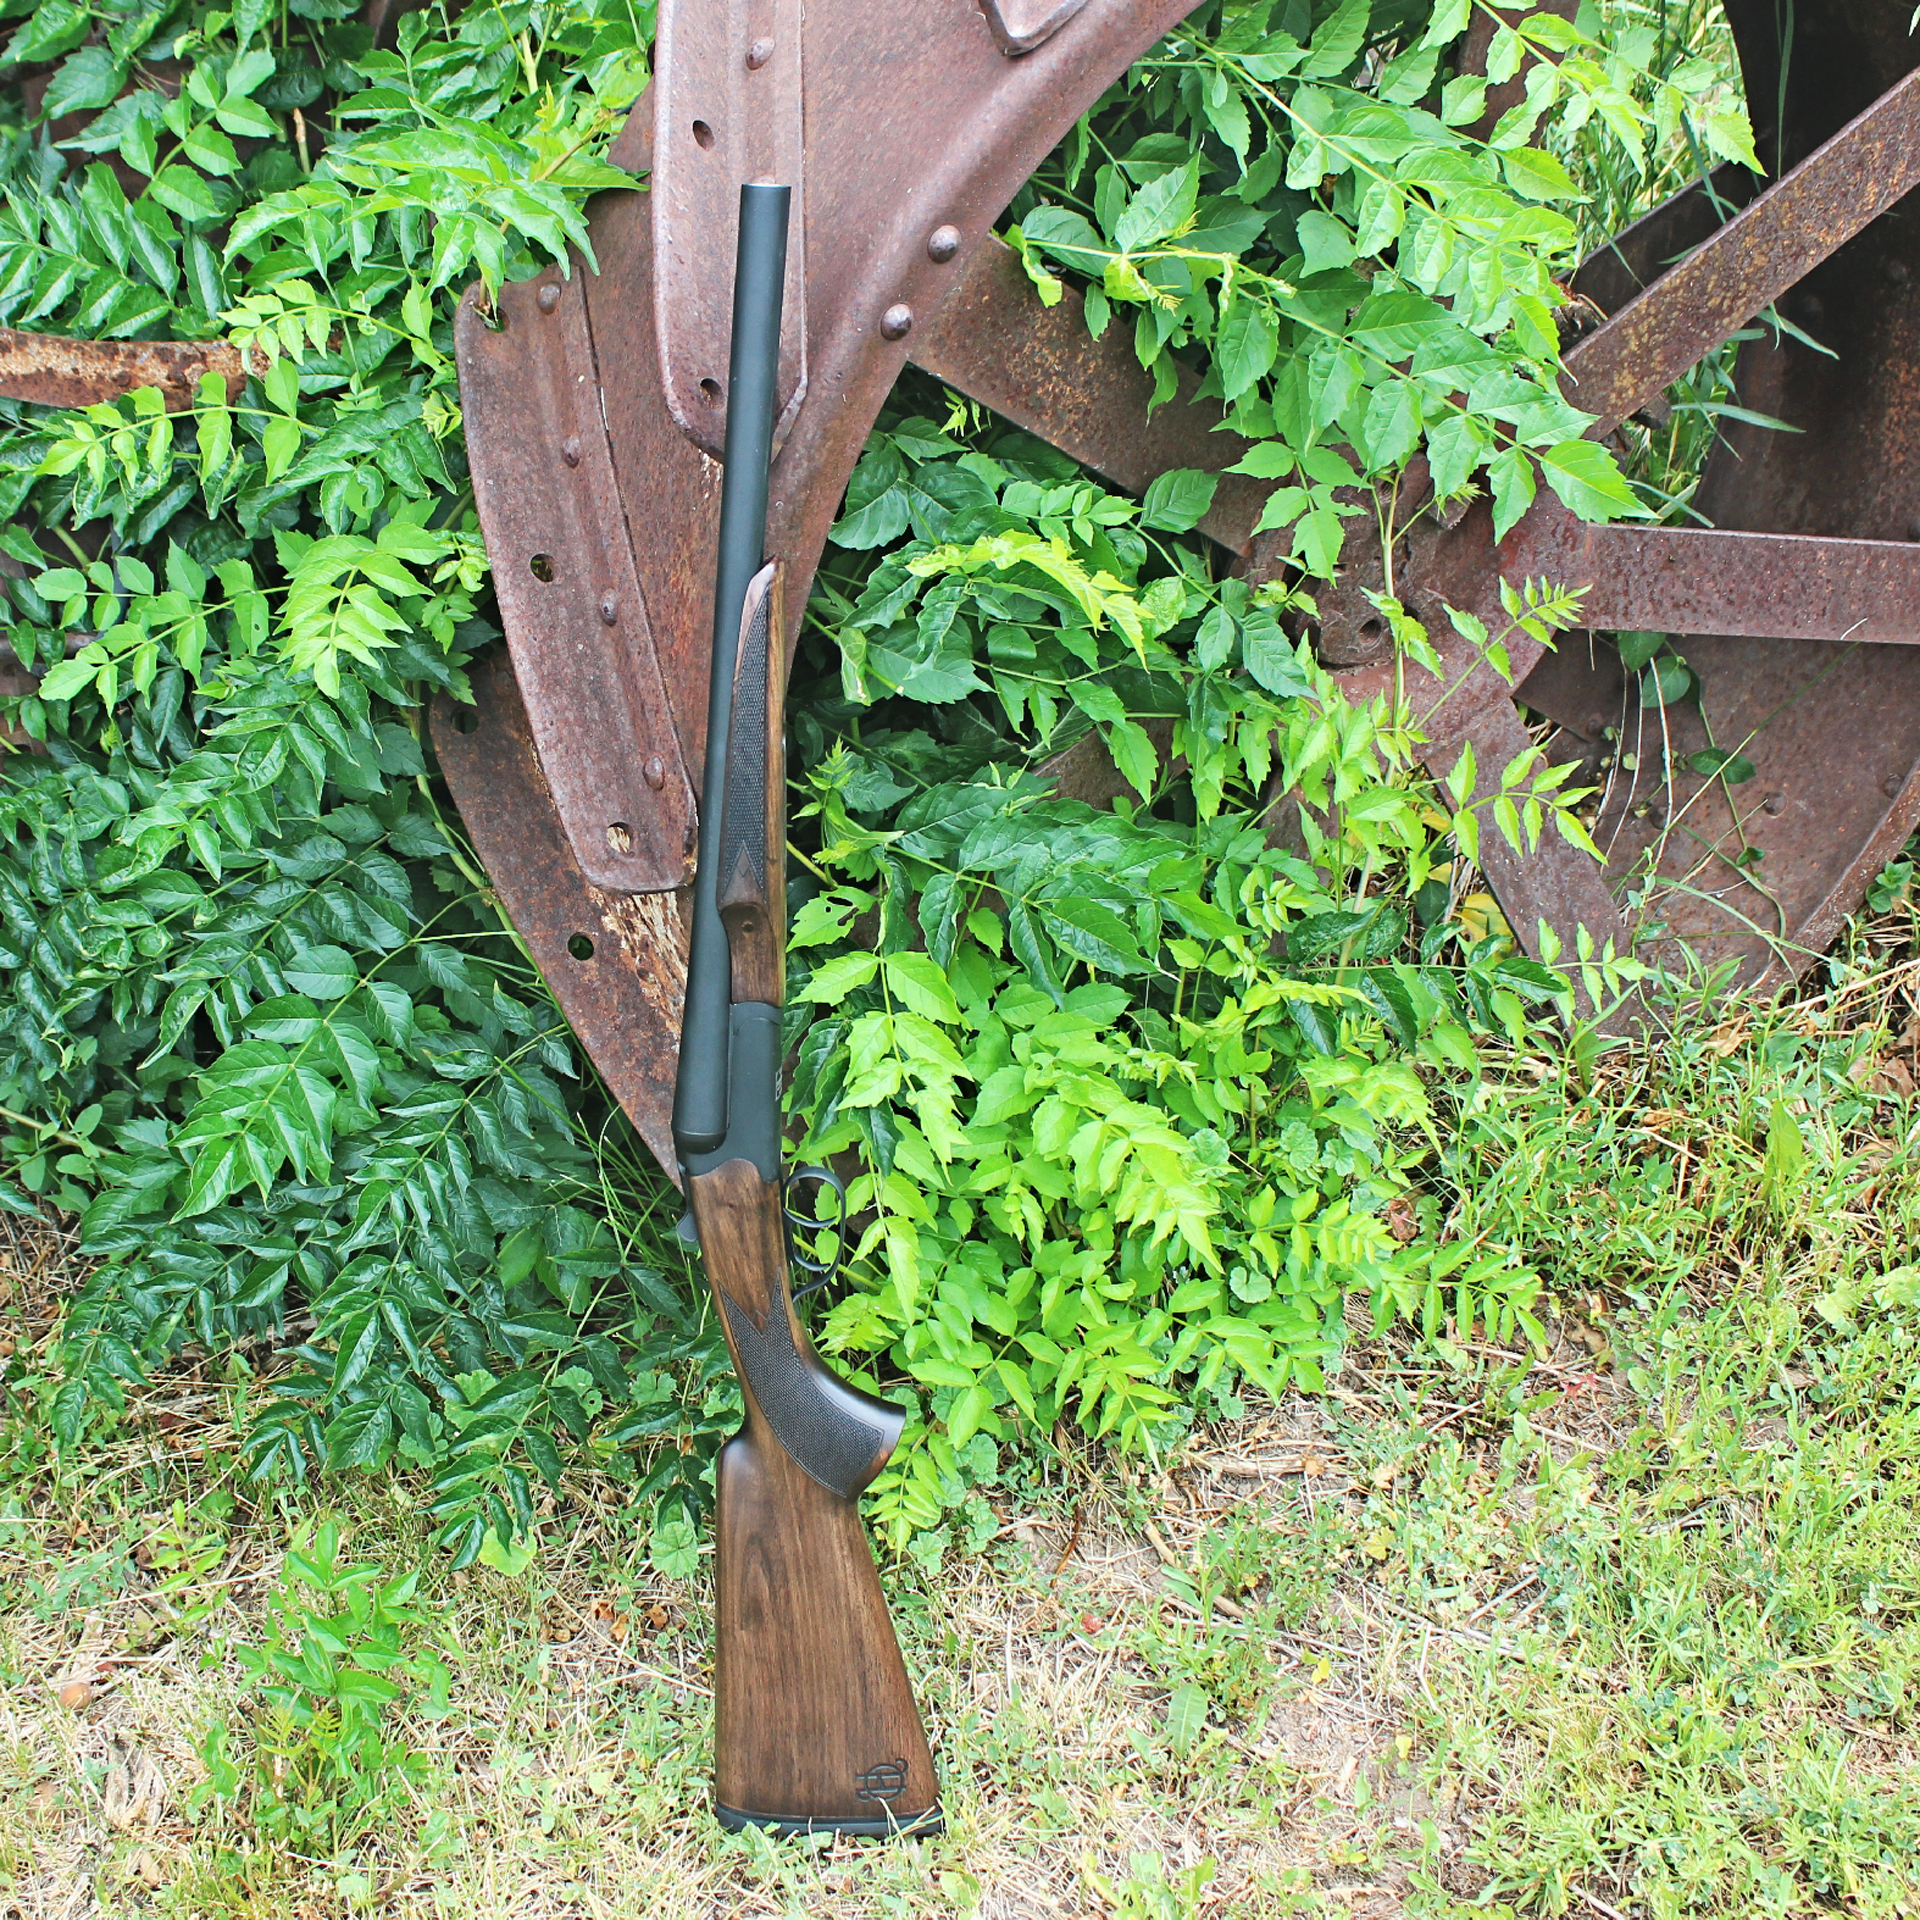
x=1270, y=656
x=1588, y=480
x=1665, y=683
x=1160, y=209
x=1535, y=175
x=1734, y=768
x=189, y=194
x=1091, y=931
x=921, y=987
x=1511, y=474
x=1178, y=500
x=966, y=1414
x=1244, y=353
x=834, y=979
x=1213, y=643
x=1326, y=243
x=56, y=27
x=675, y=1547
x=325, y=973
x=1187, y=1711
x=509, y=1557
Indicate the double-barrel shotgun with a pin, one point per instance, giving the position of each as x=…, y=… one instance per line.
x=816, y=1729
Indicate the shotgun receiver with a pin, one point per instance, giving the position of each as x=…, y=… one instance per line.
x=815, y=1724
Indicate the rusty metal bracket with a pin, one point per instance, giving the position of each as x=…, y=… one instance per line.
x=727, y=106
x=569, y=590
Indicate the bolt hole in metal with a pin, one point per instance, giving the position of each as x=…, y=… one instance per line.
x=619, y=836
x=580, y=947
x=465, y=720
x=710, y=392
x=541, y=566
x=702, y=135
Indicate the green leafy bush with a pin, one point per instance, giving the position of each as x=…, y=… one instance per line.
x=1133, y=1089
x=1139, y=1094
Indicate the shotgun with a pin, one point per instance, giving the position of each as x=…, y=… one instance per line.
x=815, y=1726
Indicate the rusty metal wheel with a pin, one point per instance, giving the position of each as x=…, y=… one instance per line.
x=1794, y=609
x=594, y=411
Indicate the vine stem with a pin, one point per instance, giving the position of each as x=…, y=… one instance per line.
x=473, y=876
x=44, y=1126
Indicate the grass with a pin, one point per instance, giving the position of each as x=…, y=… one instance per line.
x=1627, y=1628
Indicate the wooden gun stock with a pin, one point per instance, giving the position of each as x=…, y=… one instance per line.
x=815, y=1725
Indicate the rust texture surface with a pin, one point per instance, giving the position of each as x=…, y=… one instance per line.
x=616, y=961
x=52, y=371
x=1699, y=581
x=569, y=591
x=726, y=98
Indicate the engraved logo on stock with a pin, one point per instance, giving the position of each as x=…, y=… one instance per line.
x=885, y=1781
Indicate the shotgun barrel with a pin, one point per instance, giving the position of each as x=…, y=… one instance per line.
x=701, y=1083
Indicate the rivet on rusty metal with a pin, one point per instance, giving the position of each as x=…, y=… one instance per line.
x=549, y=298
x=758, y=55
x=656, y=772
x=570, y=449
x=897, y=322
x=942, y=244
x=609, y=610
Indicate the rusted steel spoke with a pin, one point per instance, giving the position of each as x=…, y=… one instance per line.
x=1769, y=585
x=1749, y=263
x=50, y=370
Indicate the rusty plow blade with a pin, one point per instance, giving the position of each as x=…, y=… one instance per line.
x=595, y=409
